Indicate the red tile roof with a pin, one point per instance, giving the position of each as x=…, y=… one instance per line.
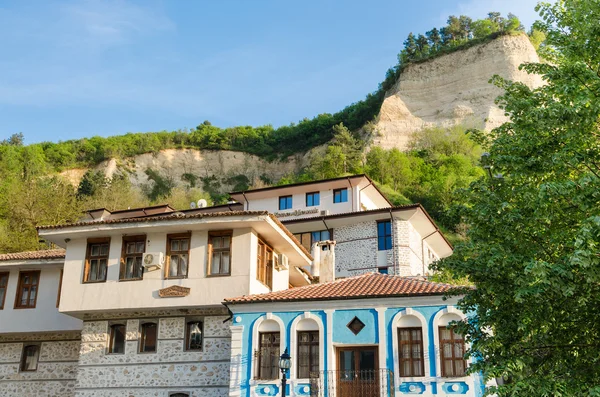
x=370, y=285
x=33, y=255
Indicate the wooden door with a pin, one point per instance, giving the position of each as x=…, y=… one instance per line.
x=358, y=372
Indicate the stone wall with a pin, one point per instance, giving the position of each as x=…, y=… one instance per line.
x=57, y=366
x=169, y=369
x=356, y=249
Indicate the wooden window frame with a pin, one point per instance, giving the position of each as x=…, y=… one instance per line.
x=18, y=304
x=411, y=360
x=124, y=255
x=453, y=359
x=142, y=344
x=188, y=322
x=3, y=295
x=60, y=280
x=385, y=236
x=340, y=191
x=86, y=270
x=313, y=194
x=211, y=250
x=311, y=358
x=177, y=236
x=264, y=266
x=24, y=356
x=289, y=196
x=111, y=338
x=258, y=374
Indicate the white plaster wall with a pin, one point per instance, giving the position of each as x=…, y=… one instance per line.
x=57, y=367
x=45, y=316
x=170, y=369
x=140, y=294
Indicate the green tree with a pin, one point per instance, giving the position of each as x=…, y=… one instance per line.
x=535, y=225
x=435, y=39
x=410, y=46
x=422, y=46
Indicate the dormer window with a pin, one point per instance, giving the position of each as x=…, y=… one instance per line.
x=313, y=199
x=340, y=195
x=285, y=203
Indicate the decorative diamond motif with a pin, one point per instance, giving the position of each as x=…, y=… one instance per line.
x=356, y=325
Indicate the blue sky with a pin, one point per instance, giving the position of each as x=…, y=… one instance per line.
x=71, y=69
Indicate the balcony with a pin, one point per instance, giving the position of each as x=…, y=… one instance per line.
x=348, y=383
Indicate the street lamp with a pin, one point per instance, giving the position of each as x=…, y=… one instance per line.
x=285, y=362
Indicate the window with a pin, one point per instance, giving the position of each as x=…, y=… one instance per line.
x=219, y=253
x=178, y=255
x=96, y=260
x=340, y=195
x=384, y=235
x=313, y=199
x=410, y=350
x=116, y=343
x=285, y=202
x=178, y=394
x=308, y=353
x=148, y=336
x=309, y=238
x=29, y=358
x=27, y=290
x=264, y=271
x=59, y=287
x=452, y=350
x=131, y=257
x=267, y=356
x=3, y=288
x=193, y=335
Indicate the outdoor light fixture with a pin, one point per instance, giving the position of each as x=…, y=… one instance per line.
x=285, y=362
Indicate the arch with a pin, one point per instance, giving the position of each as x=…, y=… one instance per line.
x=410, y=317
x=441, y=318
x=269, y=320
x=309, y=319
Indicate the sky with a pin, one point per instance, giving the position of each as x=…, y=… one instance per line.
x=73, y=69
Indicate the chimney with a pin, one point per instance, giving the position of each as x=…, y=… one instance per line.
x=324, y=261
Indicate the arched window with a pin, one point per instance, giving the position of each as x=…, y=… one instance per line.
x=148, y=336
x=452, y=348
x=116, y=343
x=307, y=354
x=411, y=354
x=268, y=351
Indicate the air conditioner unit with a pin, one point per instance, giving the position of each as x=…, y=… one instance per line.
x=281, y=262
x=153, y=260
x=324, y=212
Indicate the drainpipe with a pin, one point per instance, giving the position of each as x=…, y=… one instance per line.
x=351, y=193
x=359, y=192
x=423, y=249
x=247, y=203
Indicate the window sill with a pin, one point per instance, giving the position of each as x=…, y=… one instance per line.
x=24, y=307
x=176, y=278
x=219, y=275
x=115, y=354
x=94, y=281
x=131, y=279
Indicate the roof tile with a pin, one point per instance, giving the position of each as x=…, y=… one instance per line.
x=32, y=255
x=370, y=285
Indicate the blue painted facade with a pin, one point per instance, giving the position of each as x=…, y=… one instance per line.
x=380, y=322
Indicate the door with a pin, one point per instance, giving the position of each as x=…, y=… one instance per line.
x=358, y=372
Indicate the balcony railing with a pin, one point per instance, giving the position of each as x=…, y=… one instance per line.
x=342, y=383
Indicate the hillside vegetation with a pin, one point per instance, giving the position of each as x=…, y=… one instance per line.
x=438, y=162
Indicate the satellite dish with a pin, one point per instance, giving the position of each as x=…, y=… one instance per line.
x=202, y=203
x=193, y=205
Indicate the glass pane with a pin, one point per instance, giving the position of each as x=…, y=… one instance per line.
x=148, y=338
x=130, y=248
x=183, y=264
x=93, y=273
x=3, y=281
x=317, y=199
x=387, y=228
x=174, y=265
x=217, y=242
x=416, y=351
x=448, y=368
x=417, y=368
x=388, y=243
x=118, y=339
x=102, y=269
x=381, y=244
x=367, y=360
x=447, y=350
x=34, y=278
x=31, y=358
x=174, y=245
x=458, y=350
x=216, y=263
x=344, y=195
x=226, y=241
x=32, y=295
x=138, y=269
x=195, y=335
x=459, y=367
x=139, y=247
x=416, y=334
x=405, y=351
x=104, y=249
x=184, y=244
x=406, y=368
x=24, y=293
x=95, y=250
x=129, y=265
x=445, y=334
x=225, y=262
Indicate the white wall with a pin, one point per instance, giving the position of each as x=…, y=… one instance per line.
x=139, y=294
x=45, y=316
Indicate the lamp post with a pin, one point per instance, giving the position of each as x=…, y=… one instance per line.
x=285, y=362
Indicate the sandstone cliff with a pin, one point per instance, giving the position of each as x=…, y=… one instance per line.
x=453, y=89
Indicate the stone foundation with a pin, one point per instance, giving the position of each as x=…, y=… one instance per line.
x=170, y=369
x=57, y=366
